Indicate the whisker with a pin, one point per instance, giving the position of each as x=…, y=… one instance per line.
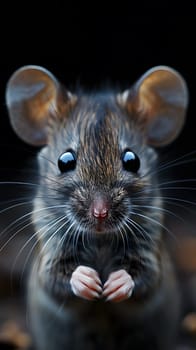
x=148, y=218
x=43, y=249
x=29, y=214
x=167, y=198
x=20, y=230
x=173, y=163
x=14, y=206
x=177, y=181
x=131, y=230
x=162, y=188
x=75, y=244
x=141, y=230
x=63, y=238
x=160, y=209
x=33, y=184
x=52, y=236
x=48, y=160
x=19, y=183
x=84, y=234
x=50, y=225
x=29, y=198
x=123, y=237
x=62, y=241
x=88, y=236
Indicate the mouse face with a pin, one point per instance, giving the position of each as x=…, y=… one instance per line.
x=98, y=165
x=96, y=170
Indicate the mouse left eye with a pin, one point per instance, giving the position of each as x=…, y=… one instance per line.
x=130, y=161
x=67, y=161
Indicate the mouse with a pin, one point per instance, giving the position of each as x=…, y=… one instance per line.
x=102, y=276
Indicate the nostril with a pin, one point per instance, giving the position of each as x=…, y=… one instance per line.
x=100, y=214
x=100, y=208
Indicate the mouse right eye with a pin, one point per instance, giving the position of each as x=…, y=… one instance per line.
x=67, y=161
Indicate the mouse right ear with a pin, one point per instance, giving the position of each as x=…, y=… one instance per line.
x=158, y=101
x=33, y=94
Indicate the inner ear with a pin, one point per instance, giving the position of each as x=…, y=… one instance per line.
x=33, y=94
x=159, y=101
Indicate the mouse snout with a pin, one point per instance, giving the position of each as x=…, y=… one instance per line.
x=100, y=207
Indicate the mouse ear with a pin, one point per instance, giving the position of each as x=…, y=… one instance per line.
x=33, y=94
x=159, y=100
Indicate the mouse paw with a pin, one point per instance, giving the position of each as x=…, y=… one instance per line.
x=118, y=287
x=85, y=283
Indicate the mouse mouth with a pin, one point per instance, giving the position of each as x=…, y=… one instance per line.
x=102, y=227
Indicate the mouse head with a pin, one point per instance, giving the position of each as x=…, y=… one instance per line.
x=158, y=100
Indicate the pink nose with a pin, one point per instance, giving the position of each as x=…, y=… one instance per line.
x=100, y=208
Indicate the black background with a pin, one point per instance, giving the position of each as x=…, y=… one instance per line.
x=92, y=45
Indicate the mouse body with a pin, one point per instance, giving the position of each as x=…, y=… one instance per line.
x=102, y=276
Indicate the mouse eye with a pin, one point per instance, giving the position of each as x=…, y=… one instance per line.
x=67, y=161
x=130, y=161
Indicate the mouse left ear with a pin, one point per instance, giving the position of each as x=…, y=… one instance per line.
x=158, y=100
x=34, y=97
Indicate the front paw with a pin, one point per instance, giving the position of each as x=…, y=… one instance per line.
x=85, y=283
x=118, y=287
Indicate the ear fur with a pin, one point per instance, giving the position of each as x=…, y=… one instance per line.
x=32, y=95
x=159, y=100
